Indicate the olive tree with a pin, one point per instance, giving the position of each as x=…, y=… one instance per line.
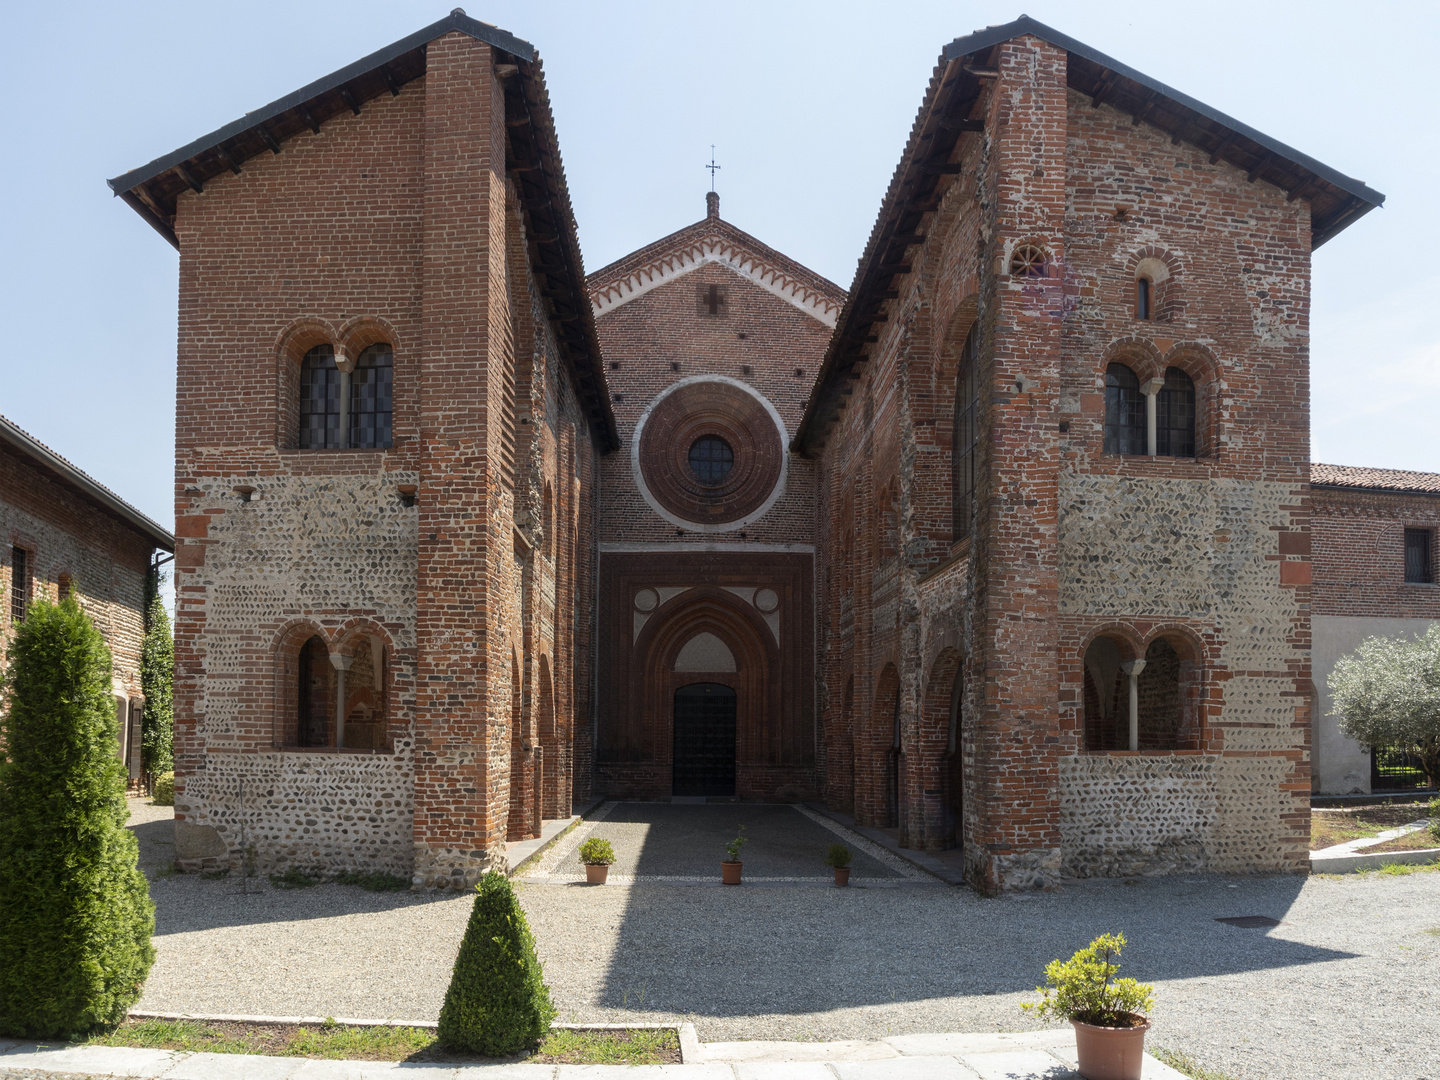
x=1387, y=693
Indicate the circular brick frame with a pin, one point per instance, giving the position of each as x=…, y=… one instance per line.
x=691, y=409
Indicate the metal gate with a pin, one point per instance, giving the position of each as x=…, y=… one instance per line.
x=704, y=754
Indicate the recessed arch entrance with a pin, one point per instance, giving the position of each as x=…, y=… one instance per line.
x=706, y=671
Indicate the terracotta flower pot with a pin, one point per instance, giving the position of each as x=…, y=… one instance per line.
x=842, y=875
x=730, y=872
x=595, y=873
x=1110, y=1053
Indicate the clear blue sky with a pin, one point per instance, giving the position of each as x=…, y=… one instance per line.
x=808, y=104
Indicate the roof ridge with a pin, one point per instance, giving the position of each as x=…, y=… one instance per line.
x=17, y=436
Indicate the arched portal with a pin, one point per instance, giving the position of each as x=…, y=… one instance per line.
x=708, y=637
x=704, y=740
x=877, y=797
x=938, y=767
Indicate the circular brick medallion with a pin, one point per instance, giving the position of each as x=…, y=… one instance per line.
x=709, y=454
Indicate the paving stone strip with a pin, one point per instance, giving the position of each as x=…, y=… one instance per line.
x=1042, y=1055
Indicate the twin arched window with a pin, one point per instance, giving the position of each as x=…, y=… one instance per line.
x=347, y=410
x=1129, y=409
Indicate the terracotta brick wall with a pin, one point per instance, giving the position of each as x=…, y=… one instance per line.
x=1359, y=553
x=65, y=534
x=396, y=225
x=1070, y=542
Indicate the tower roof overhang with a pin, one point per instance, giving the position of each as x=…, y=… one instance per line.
x=925, y=171
x=153, y=190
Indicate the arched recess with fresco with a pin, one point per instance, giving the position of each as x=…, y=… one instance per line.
x=710, y=628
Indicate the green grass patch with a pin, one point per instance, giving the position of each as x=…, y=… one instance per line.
x=1183, y=1063
x=374, y=882
x=293, y=878
x=191, y=1035
x=634, y=1047
x=330, y=1040
x=338, y=1042
x=1401, y=869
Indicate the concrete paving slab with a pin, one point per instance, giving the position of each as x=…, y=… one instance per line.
x=234, y=1067
x=958, y=1045
x=644, y=1072
x=783, y=1070
x=1021, y=1065
x=505, y=1072
x=102, y=1060
x=760, y=1050
x=905, y=1068
x=313, y=1069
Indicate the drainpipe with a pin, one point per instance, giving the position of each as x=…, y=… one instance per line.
x=342, y=665
x=1133, y=668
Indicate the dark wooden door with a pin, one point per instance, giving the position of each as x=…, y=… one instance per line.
x=704, y=754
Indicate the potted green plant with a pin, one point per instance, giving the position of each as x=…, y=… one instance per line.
x=1107, y=1013
x=597, y=855
x=730, y=868
x=838, y=859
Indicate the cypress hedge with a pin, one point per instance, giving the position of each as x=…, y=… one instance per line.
x=75, y=910
x=157, y=680
x=497, y=1004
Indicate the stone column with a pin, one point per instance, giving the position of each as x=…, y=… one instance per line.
x=1151, y=390
x=341, y=664
x=1132, y=669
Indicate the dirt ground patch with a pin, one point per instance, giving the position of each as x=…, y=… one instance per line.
x=1329, y=827
x=1415, y=841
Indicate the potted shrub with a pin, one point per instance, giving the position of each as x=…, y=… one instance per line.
x=1107, y=1013
x=597, y=855
x=838, y=859
x=730, y=868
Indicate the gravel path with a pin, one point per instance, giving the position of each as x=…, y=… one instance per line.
x=1344, y=987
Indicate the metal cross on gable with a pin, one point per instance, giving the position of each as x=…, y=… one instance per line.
x=712, y=167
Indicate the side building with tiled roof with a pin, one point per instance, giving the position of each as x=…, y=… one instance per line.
x=1373, y=535
x=67, y=534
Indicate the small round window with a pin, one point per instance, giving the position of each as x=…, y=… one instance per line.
x=711, y=459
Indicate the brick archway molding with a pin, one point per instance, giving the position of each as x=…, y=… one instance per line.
x=757, y=659
x=637, y=461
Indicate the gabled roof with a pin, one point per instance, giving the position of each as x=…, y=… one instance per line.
x=535, y=168
x=1389, y=481
x=925, y=172
x=714, y=240
x=42, y=455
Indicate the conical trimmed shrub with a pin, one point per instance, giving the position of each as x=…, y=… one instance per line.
x=497, y=1004
x=75, y=911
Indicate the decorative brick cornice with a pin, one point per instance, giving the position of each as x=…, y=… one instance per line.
x=771, y=274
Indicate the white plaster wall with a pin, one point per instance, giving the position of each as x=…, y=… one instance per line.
x=1341, y=765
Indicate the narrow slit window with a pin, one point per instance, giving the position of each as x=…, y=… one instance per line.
x=967, y=400
x=1142, y=298
x=1419, y=570
x=1124, y=412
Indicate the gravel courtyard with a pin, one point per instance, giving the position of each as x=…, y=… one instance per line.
x=1343, y=987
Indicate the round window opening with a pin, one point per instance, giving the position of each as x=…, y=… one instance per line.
x=711, y=459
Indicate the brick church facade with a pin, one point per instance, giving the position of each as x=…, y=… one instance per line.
x=1007, y=548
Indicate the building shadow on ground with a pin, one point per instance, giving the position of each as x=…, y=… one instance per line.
x=759, y=949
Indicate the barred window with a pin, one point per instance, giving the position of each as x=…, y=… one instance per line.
x=19, y=583
x=966, y=436
x=1419, y=569
x=1175, y=415
x=320, y=400
x=372, y=394
x=1124, y=412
